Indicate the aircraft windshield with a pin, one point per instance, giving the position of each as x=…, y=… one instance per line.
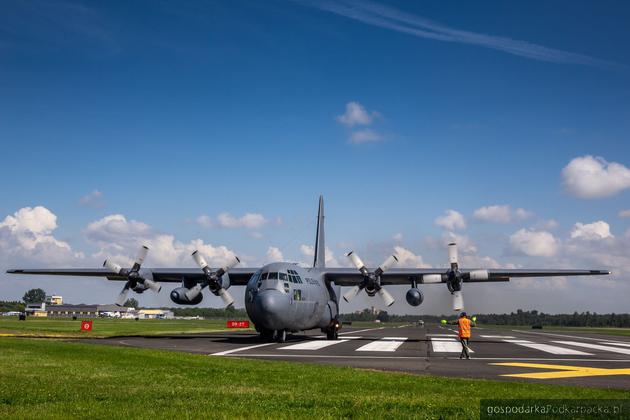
x=273, y=276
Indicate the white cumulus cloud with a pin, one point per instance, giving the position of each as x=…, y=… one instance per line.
x=364, y=136
x=356, y=114
x=249, y=220
x=93, y=199
x=451, y=220
x=406, y=258
x=591, y=231
x=28, y=234
x=274, y=254
x=119, y=239
x=594, y=177
x=500, y=214
x=534, y=243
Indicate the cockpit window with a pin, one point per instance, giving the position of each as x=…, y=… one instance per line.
x=273, y=276
x=283, y=276
x=263, y=276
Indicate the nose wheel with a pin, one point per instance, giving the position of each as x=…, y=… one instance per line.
x=281, y=336
x=332, y=333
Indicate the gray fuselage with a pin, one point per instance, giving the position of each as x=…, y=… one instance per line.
x=285, y=296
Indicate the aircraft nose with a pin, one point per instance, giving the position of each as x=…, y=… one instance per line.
x=271, y=309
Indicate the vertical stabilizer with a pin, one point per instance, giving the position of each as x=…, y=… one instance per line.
x=319, y=260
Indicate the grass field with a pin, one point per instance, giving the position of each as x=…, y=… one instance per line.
x=50, y=378
x=104, y=327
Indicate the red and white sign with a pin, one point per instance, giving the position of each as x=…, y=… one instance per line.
x=238, y=324
x=86, y=325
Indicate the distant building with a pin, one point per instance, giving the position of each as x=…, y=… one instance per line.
x=36, y=309
x=86, y=311
x=155, y=314
x=54, y=300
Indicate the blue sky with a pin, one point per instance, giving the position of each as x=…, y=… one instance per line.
x=174, y=112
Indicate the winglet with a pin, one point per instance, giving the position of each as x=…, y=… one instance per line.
x=319, y=259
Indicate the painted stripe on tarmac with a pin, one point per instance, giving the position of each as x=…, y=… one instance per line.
x=568, y=336
x=442, y=335
x=450, y=346
x=384, y=344
x=223, y=353
x=358, y=331
x=312, y=345
x=497, y=336
x=618, y=344
x=595, y=346
x=547, y=348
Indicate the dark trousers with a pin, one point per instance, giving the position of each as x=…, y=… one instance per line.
x=464, y=342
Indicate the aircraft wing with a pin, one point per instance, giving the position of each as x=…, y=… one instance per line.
x=238, y=276
x=352, y=277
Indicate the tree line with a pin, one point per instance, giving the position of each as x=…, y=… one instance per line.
x=520, y=317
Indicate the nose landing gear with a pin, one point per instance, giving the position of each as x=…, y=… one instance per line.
x=332, y=332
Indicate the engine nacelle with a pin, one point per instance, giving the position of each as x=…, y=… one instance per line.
x=178, y=296
x=139, y=288
x=414, y=297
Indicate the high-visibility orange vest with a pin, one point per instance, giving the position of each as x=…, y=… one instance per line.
x=464, y=327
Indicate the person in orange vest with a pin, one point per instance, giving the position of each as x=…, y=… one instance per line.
x=464, y=324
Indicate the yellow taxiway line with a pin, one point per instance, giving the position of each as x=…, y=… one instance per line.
x=562, y=371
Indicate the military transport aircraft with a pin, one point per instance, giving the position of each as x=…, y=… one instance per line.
x=284, y=297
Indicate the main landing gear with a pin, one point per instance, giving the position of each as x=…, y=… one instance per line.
x=270, y=335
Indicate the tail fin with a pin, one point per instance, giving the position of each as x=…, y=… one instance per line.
x=320, y=243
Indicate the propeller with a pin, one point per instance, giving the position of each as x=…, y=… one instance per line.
x=371, y=280
x=213, y=281
x=133, y=276
x=454, y=278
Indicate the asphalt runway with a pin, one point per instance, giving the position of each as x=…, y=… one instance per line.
x=590, y=360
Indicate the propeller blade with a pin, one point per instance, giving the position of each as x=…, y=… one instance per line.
x=452, y=255
x=200, y=260
x=142, y=254
x=231, y=263
x=386, y=296
x=350, y=294
x=387, y=264
x=226, y=297
x=458, y=301
x=193, y=292
x=156, y=287
x=112, y=266
x=122, y=296
x=356, y=260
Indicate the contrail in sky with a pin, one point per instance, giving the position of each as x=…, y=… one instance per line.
x=397, y=20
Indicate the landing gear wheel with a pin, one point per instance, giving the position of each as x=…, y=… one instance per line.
x=281, y=336
x=332, y=334
x=266, y=335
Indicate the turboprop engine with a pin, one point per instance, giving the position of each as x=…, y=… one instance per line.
x=178, y=296
x=414, y=296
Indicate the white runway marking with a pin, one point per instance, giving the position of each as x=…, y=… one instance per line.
x=497, y=336
x=567, y=336
x=312, y=345
x=595, y=346
x=547, y=348
x=618, y=344
x=358, y=331
x=443, y=335
x=445, y=345
x=223, y=353
x=384, y=344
